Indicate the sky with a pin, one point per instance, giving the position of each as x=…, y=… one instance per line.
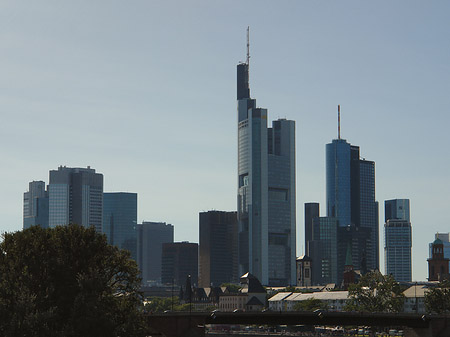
x=145, y=93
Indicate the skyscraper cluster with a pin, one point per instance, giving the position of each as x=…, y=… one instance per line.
x=348, y=236
x=260, y=236
x=75, y=196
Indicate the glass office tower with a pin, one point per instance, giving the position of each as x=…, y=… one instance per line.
x=76, y=197
x=398, y=239
x=350, y=196
x=119, y=220
x=397, y=249
x=266, y=191
x=35, y=205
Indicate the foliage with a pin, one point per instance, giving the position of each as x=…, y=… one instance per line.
x=161, y=304
x=232, y=288
x=437, y=299
x=375, y=293
x=310, y=304
x=67, y=281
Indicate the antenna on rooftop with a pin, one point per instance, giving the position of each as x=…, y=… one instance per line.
x=248, y=45
x=339, y=121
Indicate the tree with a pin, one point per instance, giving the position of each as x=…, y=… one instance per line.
x=160, y=304
x=67, y=281
x=231, y=287
x=437, y=299
x=310, y=304
x=375, y=293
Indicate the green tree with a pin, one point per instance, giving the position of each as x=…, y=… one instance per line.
x=67, y=281
x=310, y=304
x=232, y=288
x=375, y=293
x=437, y=299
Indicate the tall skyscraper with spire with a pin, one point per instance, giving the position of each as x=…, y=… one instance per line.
x=266, y=190
x=350, y=196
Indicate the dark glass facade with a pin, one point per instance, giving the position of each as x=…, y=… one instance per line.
x=151, y=236
x=350, y=187
x=35, y=205
x=338, y=181
x=324, y=250
x=218, y=248
x=178, y=260
x=120, y=220
x=311, y=212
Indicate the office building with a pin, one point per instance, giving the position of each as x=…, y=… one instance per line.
x=398, y=239
x=324, y=250
x=266, y=190
x=397, y=249
x=151, y=236
x=76, y=197
x=396, y=209
x=350, y=196
x=218, y=248
x=311, y=212
x=35, y=205
x=178, y=260
x=119, y=220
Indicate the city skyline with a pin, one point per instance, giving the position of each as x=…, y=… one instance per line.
x=130, y=89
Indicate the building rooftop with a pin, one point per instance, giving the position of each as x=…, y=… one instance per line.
x=280, y=296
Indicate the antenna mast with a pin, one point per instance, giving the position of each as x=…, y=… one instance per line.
x=339, y=121
x=248, y=46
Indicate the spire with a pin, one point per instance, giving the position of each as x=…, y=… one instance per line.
x=243, y=87
x=339, y=121
x=248, y=46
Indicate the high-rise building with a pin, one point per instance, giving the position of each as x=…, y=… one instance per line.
x=397, y=249
x=324, y=250
x=119, y=220
x=396, y=209
x=179, y=259
x=76, y=197
x=266, y=191
x=150, y=238
x=311, y=212
x=35, y=205
x=218, y=253
x=350, y=195
x=398, y=239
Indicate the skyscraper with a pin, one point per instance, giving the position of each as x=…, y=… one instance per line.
x=324, y=250
x=119, y=220
x=76, y=197
x=396, y=209
x=398, y=239
x=151, y=236
x=178, y=260
x=311, y=212
x=266, y=190
x=35, y=205
x=217, y=248
x=350, y=195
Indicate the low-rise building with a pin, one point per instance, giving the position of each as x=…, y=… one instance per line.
x=415, y=299
x=277, y=302
x=335, y=300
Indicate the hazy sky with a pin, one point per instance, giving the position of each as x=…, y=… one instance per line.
x=145, y=93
